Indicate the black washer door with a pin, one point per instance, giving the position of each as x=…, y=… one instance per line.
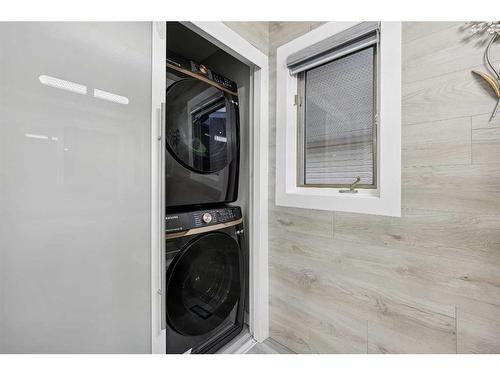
x=200, y=126
x=203, y=284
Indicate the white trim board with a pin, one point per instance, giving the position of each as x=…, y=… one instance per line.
x=231, y=42
x=386, y=200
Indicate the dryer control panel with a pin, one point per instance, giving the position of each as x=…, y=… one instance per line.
x=184, y=221
x=182, y=63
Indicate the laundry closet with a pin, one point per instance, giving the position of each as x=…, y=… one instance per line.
x=207, y=177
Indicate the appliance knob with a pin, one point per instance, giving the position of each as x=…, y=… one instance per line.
x=207, y=217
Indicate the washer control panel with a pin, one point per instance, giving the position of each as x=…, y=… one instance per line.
x=184, y=221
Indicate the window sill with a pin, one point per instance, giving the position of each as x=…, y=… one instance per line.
x=365, y=201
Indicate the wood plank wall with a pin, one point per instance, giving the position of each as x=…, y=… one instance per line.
x=428, y=282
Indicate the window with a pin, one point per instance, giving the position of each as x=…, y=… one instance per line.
x=337, y=122
x=339, y=119
x=337, y=110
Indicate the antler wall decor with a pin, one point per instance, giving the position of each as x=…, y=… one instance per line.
x=493, y=29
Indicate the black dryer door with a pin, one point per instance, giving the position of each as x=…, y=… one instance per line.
x=201, y=126
x=204, y=284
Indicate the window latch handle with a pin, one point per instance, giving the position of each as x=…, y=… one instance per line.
x=352, y=187
x=297, y=101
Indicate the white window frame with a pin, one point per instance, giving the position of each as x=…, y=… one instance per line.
x=386, y=199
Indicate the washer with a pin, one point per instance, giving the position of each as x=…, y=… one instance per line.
x=202, y=136
x=205, y=279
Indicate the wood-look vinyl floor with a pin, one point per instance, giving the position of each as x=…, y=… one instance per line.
x=270, y=346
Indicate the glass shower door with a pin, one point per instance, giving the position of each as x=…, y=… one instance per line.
x=75, y=151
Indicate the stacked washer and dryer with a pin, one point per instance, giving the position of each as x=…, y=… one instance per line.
x=205, y=258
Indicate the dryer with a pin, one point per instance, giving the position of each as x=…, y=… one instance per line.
x=202, y=136
x=205, y=279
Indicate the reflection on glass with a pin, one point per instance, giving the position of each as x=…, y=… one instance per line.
x=197, y=126
x=40, y=136
x=109, y=96
x=63, y=84
x=81, y=89
x=208, y=123
x=36, y=136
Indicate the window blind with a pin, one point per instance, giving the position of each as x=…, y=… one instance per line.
x=348, y=41
x=338, y=117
